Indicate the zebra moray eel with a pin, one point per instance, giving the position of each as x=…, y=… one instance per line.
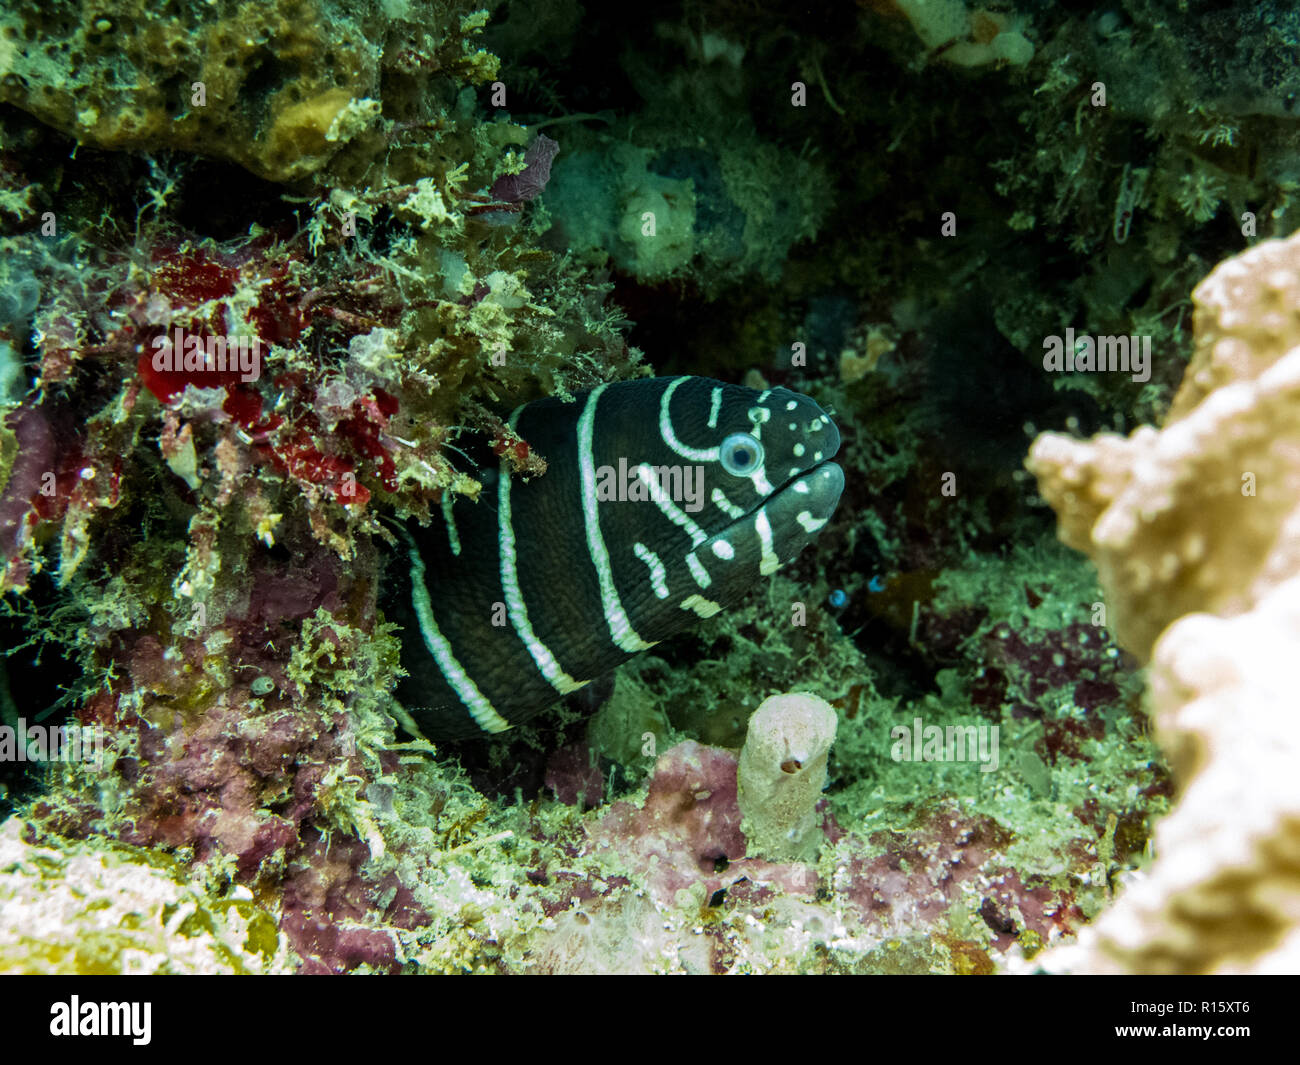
x=664, y=500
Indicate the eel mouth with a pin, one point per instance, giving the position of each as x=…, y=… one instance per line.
x=824, y=483
x=791, y=517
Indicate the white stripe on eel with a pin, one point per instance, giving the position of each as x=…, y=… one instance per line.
x=466, y=690
x=453, y=538
x=658, y=575
x=669, y=436
x=759, y=416
x=698, y=571
x=725, y=505
x=768, y=563
x=515, y=606
x=706, y=608
x=670, y=510
x=620, y=626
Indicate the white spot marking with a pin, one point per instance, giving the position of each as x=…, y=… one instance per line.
x=809, y=523
x=799, y=449
x=802, y=488
x=792, y=405
x=724, y=550
x=706, y=608
x=715, y=404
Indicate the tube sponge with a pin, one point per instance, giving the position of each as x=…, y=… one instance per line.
x=781, y=775
x=967, y=38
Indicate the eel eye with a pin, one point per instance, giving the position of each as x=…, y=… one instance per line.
x=740, y=454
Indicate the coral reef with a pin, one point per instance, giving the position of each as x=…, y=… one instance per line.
x=1194, y=530
x=204, y=423
x=400, y=219
x=929, y=866
x=1220, y=895
x=933, y=895
x=279, y=88
x=97, y=909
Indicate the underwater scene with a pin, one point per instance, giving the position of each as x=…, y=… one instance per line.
x=708, y=487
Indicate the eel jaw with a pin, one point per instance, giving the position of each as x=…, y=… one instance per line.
x=786, y=522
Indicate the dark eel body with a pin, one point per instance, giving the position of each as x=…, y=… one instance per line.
x=665, y=500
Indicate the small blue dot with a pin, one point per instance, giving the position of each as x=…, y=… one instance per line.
x=876, y=584
x=839, y=598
